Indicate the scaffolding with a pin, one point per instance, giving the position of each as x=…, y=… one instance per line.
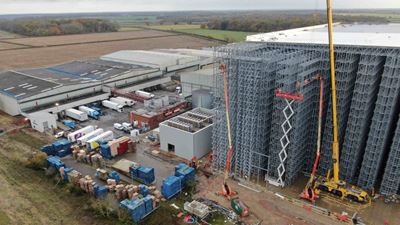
x=274, y=139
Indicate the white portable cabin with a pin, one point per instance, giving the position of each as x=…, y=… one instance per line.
x=128, y=102
x=112, y=105
x=74, y=136
x=83, y=139
x=94, y=142
x=76, y=114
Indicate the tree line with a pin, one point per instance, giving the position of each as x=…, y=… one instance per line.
x=274, y=23
x=48, y=27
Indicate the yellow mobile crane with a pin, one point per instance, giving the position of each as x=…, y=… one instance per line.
x=334, y=185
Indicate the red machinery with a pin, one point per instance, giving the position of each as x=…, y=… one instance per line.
x=308, y=192
x=226, y=190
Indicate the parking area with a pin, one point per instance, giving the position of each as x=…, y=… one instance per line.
x=144, y=150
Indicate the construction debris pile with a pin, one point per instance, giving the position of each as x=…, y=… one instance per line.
x=274, y=138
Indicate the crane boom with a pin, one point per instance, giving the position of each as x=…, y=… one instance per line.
x=335, y=145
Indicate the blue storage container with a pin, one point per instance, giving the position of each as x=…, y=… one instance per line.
x=148, y=204
x=171, y=186
x=114, y=175
x=134, y=170
x=48, y=149
x=67, y=170
x=55, y=161
x=146, y=174
x=143, y=190
x=64, y=152
x=136, y=208
x=105, y=151
x=100, y=191
x=186, y=172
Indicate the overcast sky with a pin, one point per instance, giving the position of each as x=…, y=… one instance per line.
x=57, y=6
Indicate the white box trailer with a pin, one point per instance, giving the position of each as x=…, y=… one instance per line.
x=118, y=101
x=94, y=142
x=112, y=105
x=127, y=101
x=145, y=94
x=90, y=112
x=74, y=136
x=76, y=114
x=82, y=140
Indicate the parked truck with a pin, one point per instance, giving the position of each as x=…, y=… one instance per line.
x=82, y=140
x=73, y=137
x=94, y=142
x=90, y=112
x=112, y=105
x=144, y=94
x=76, y=114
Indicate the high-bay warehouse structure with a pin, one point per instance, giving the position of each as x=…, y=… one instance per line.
x=274, y=139
x=39, y=94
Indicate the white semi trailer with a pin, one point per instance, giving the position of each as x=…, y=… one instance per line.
x=123, y=101
x=112, y=105
x=82, y=140
x=145, y=94
x=74, y=136
x=94, y=142
x=76, y=114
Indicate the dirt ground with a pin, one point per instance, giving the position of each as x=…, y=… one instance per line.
x=4, y=46
x=88, y=46
x=37, y=57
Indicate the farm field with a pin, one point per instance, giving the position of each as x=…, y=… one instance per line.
x=45, y=56
x=87, y=38
x=392, y=17
x=4, y=46
x=231, y=36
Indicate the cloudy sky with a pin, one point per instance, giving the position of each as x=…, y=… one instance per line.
x=56, y=6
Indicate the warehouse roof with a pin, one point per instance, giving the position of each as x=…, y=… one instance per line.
x=162, y=59
x=19, y=85
x=26, y=83
x=379, y=35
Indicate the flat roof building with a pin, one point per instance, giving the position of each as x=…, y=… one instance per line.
x=188, y=135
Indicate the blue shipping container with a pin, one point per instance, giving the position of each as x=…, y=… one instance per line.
x=105, y=151
x=148, y=204
x=146, y=174
x=186, y=172
x=114, y=175
x=67, y=170
x=100, y=191
x=171, y=186
x=55, y=161
x=143, y=190
x=48, y=149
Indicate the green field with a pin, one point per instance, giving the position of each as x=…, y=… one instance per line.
x=5, y=34
x=394, y=18
x=230, y=36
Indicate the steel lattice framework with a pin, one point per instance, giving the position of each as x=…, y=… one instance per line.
x=274, y=139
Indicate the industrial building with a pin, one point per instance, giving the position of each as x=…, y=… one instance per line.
x=53, y=89
x=197, y=80
x=274, y=138
x=188, y=135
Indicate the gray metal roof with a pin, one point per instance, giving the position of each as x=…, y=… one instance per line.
x=376, y=35
x=19, y=85
x=72, y=73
